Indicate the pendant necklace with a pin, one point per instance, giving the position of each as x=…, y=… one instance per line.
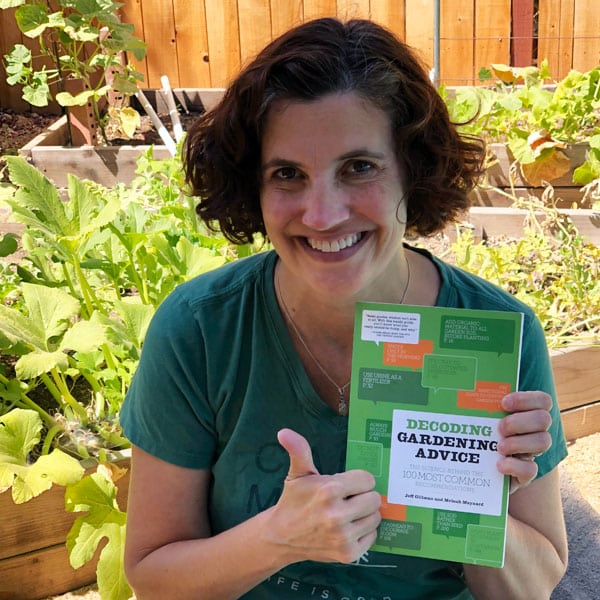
x=341, y=389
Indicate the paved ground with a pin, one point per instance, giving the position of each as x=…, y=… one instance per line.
x=582, y=580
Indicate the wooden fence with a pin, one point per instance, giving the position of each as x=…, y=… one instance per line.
x=203, y=43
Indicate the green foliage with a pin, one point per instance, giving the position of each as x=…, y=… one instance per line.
x=75, y=309
x=551, y=268
x=96, y=495
x=84, y=39
x=97, y=263
x=537, y=121
x=20, y=432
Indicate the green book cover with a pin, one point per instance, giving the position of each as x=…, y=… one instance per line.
x=424, y=409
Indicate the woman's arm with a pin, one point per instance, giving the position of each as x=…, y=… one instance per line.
x=536, y=543
x=171, y=553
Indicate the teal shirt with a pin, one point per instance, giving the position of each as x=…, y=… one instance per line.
x=219, y=376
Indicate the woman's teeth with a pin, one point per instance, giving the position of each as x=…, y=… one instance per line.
x=336, y=245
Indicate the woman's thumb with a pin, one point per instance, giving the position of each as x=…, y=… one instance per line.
x=301, y=461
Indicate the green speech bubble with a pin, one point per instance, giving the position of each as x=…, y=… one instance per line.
x=391, y=385
x=379, y=431
x=485, y=544
x=451, y=523
x=399, y=534
x=441, y=371
x=469, y=333
x=367, y=454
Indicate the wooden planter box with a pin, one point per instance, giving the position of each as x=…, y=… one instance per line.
x=577, y=376
x=566, y=193
x=34, y=562
x=106, y=165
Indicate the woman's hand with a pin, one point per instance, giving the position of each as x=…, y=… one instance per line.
x=524, y=435
x=328, y=518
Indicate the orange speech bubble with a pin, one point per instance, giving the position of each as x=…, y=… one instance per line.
x=406, y=355
x=487, y=395
x=393, y=512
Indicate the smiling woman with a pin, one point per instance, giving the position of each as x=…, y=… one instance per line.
x=334, y=144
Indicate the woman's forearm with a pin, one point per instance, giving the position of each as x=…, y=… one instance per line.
x=532, y=569
x=223, y=566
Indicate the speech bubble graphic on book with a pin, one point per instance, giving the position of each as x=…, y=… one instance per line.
x=480, y=334
x=441, y=371
x=406, y=355
x=487, y=396
x=384, y=326
x=452, y=523
x=399, y=534
x=389, y=385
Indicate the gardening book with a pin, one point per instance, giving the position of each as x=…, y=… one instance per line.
x=427, y=383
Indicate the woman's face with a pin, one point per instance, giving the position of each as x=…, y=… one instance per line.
x=332, y=196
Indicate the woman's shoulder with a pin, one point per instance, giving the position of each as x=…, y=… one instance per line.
x=226, y=281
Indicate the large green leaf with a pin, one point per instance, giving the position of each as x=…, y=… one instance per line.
x=36, y=363
x=50, y=308
x=19, y=328
x=136, y=318
x=19, y=434
x=96, y=495
x=85, y=336
x=36, y=202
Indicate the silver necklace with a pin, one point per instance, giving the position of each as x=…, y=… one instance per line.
x=341, y=389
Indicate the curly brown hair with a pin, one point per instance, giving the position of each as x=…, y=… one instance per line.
x=222, y=151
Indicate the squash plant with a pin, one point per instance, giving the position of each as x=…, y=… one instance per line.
x=97, y=263
x=84, y=40
x=537, y=120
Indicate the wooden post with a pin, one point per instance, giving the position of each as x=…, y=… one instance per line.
x=521, y=48
x=82, y=121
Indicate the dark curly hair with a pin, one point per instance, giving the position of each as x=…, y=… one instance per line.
x=222, y=151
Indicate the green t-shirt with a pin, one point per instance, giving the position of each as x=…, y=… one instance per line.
x=219, y=376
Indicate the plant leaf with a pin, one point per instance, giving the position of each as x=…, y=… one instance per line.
x=19, y=328
x=8, y=244
x=37, y=202
x=36, y=363
x=19, y=434
x=136, y=318
x=550, y=164
x=50, y=308
x=84, y=336
x=96, y=495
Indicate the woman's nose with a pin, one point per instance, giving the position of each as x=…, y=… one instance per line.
x=325, y=206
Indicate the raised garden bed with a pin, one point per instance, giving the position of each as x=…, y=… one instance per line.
x=34, y=561
x=112, y=164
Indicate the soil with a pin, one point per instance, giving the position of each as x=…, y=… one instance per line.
x=581, y=468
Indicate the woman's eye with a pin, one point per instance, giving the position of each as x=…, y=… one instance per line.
x=285, y=173
x=360, y=167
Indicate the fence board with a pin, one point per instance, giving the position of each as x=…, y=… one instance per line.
x=390, y=14
x=353, y=9
x=131, y=12
x=419, y=28
x=313, y=9
x=192, y=43
x=255, y=26
x=223, y=41
x=522, y=32
x=457, y=21
x=284, y=16
x=586, y=38
x=492, y=34
x=10, y=95
x=159, y=31
x=555, y=34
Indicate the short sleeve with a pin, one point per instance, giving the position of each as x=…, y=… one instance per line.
x=165, y=411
